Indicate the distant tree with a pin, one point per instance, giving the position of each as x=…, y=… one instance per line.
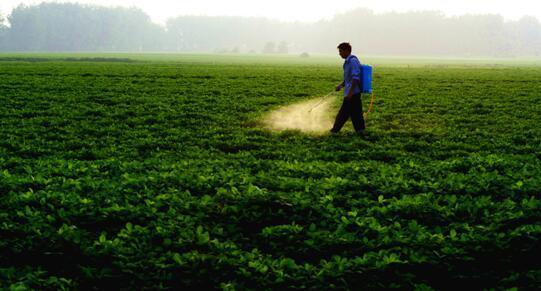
x=76, y=27
x=528, y=36
x=282, y=48
x=207, y=33
x=2, y=19
x=269, y=48
x=3, y=32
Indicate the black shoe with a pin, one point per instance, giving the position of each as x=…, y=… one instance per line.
x=361, y=133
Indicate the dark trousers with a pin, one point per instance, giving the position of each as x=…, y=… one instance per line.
x=350, y=108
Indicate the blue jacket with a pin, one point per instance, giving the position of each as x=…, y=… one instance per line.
x=352, y=71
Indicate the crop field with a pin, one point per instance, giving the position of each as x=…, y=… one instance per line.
x=141, y=173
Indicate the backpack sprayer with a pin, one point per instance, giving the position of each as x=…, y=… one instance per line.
x=366, y=88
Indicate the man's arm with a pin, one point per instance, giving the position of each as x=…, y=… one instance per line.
x=353, y=86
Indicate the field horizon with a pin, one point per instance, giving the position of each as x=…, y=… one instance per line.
x=291, y=58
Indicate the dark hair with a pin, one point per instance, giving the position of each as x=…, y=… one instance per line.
x=345, y=46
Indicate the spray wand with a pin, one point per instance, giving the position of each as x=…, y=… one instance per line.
x=321, y=101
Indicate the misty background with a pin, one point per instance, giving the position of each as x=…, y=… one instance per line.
x=68, y=27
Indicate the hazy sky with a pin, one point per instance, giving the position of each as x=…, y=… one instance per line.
x=307, y=10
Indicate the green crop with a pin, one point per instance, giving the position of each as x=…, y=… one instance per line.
x=158, y=175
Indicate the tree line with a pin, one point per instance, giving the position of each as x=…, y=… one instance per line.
x=78, y=27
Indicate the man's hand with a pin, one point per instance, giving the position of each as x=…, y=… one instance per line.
x=340, y=86
x=348, y=97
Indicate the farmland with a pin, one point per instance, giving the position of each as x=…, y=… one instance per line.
x=148, y=172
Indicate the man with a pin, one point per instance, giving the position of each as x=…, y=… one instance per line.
x=352, y=105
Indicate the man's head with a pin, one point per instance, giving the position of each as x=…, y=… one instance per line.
x=344, y=49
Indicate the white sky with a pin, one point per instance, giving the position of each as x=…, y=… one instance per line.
x=306, y=10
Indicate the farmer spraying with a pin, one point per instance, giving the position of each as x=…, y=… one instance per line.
x=352, y=105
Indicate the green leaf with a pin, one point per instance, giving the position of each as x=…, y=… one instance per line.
x=177, y=258
x=102, y=238
x=203, y=237
x=452, y=233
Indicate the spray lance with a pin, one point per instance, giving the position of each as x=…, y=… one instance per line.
x=321, y=101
